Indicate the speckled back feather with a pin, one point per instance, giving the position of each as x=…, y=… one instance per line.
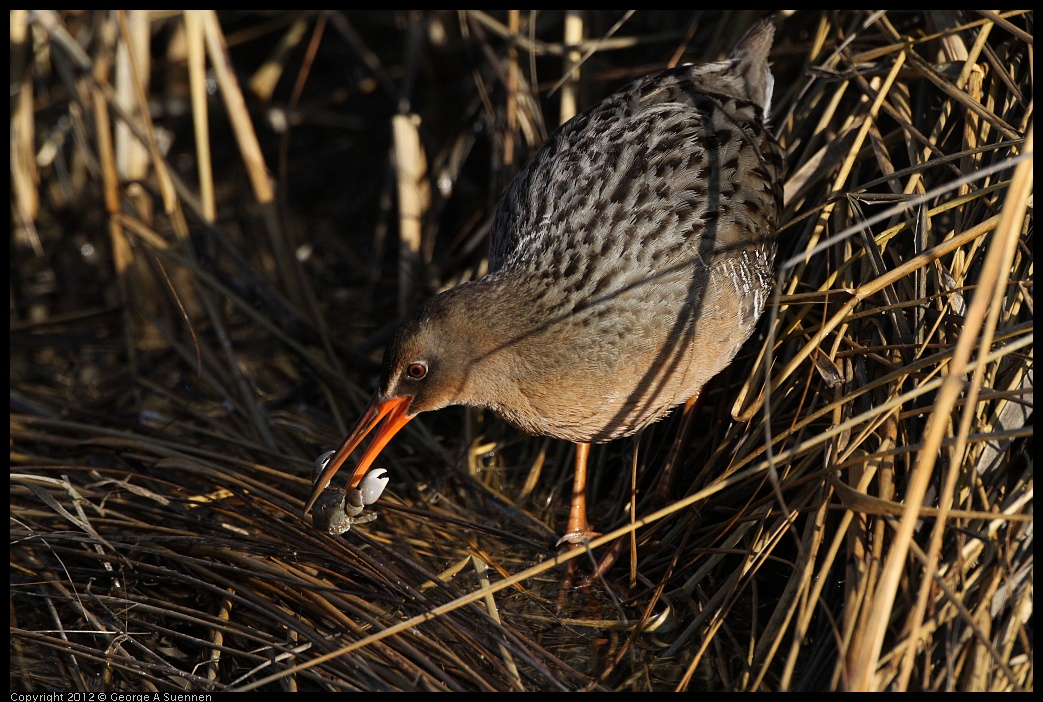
x=630, y=259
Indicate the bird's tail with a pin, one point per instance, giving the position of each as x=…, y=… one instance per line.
x=752, y=55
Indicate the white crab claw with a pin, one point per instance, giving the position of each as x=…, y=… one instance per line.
x=372, y=485
x=320, y=465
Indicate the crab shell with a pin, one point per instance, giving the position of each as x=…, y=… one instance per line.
x=337, y=510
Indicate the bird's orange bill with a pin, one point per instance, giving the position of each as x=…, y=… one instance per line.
x=390, y=415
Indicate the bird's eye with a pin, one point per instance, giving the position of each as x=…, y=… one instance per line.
x=416, y=371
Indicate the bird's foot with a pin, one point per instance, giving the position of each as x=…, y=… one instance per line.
x=577, y=537
x=605, y=563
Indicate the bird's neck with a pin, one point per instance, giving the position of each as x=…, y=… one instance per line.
x=507, y=336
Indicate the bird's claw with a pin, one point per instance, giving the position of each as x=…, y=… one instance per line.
x=576, y=537
x=338, y=509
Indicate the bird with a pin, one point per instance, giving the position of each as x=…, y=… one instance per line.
x=629, y=260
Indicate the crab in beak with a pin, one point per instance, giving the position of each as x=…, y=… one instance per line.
x=386, y=417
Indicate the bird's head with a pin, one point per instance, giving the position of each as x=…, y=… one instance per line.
x=435, y=359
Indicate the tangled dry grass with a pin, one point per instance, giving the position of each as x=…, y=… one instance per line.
x=214, y=230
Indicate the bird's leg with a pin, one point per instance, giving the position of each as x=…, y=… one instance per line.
x=664, y=491
x=578, y=528
x=668, y=478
